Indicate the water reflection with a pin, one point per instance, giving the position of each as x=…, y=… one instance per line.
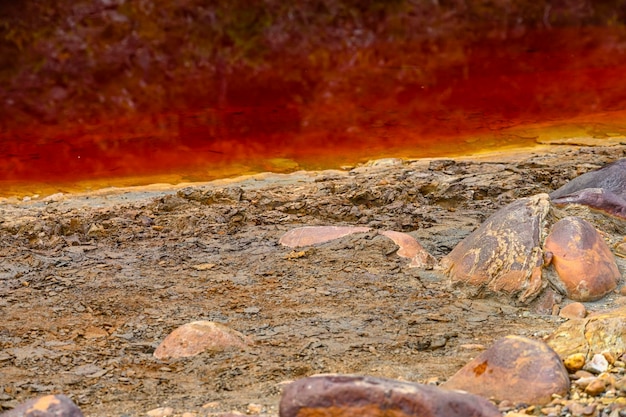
x=389, y=100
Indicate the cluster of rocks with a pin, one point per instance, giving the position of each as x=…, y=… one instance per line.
x=579, y=370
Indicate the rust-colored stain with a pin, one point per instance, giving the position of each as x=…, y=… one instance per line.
x=481, y=368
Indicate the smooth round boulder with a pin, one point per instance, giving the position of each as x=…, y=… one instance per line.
x=199, y=336
x=515, y=368
x=583, y=262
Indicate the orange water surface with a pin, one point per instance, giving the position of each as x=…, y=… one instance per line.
x=388, y=101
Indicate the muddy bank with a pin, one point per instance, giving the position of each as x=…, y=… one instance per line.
x=91, y=284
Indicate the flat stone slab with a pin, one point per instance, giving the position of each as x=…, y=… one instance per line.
x=315, y=235
x=357, y=396
x=515, y=368
x=409, y=247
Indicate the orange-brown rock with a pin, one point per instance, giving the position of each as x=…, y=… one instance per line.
x=515, y=368
x=357, y=396
x=47, y=406
x=584, y=263
x=504, y=254
x=194, y=338
x=597, y=333
x=575, y=362
x=315, y=235
x=573, y=311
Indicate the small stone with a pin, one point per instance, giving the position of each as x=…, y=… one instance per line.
x=254, y=408
x=48, y=406
x=515, y=368
x=584, y=382
x=608, y=378
x=554, y=410
x=352, y=396
x=160, y=412
x=609, y=356
x=583, y=374
x=620, y=385
x=574, y=362
x=589, y=410
x=574, y=310
x=194, y=338
x=595, y=387
x=597, y=364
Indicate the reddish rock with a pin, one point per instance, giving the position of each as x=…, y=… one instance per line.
x=314, y=235
x=410, y=248
x=504, y=254
x=515, y=368
x=48, y=406
x=197, y=337
x=573, y=311
x=357, y=396
x=584, y=263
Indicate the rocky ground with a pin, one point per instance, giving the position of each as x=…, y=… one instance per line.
x=91, y=284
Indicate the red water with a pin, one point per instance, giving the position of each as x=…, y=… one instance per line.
x=390, y=101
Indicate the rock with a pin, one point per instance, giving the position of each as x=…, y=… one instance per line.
x=584, y=264
x=595, y=387
x=596, y=333
x=197, y=337
x=160, y=412
x=504, y=254
x=351, y=395
x=573, y=311
x=49, y=406
x=410, y=248
x=574, y=362
x=515, y=368
x=597, y=364
x=314, y=235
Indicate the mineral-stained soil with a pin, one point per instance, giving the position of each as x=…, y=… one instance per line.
x=91, y=284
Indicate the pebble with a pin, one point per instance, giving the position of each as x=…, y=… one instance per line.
x=573, y=311
x=595, y=387
x=160, y=412
x=574, y=362
x=597, y=364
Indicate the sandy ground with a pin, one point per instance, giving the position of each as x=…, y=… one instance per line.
x=91, y=284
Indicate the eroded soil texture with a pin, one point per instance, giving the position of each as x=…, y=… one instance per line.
x=91, y=284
